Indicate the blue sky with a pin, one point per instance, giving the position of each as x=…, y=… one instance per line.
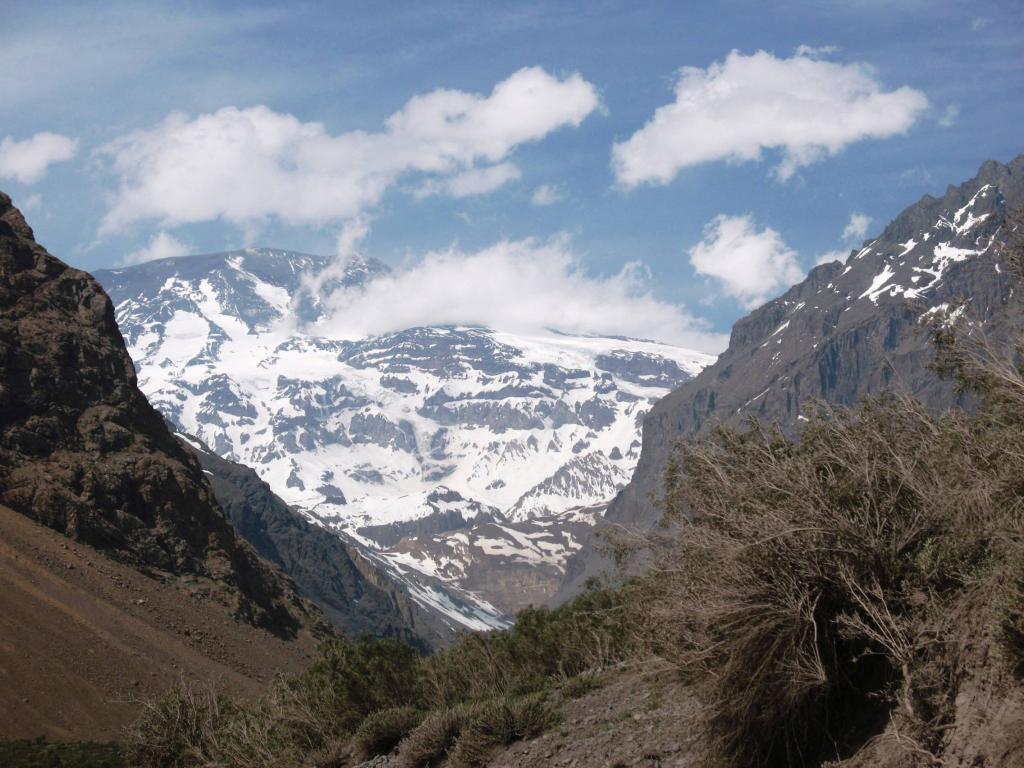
x=947, y=80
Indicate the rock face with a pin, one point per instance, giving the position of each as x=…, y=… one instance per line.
x=325, y=568
x=401, y=440
x=83, y=452
x=850, y=329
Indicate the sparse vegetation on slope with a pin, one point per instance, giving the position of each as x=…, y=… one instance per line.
x=38, y=753
x=363, y=698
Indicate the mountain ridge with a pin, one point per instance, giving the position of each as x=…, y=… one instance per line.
x=848, y=329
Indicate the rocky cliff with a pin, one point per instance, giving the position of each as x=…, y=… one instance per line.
x=83, y=452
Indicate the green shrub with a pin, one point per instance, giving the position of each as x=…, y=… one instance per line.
x=381, y=731
x=543, y=646
x=349, y=680
x=429, y=743
x=500, y=722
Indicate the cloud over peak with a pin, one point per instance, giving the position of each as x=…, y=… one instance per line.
x=525, y=286
x=748, y=264
x=248, y=165
x=162, y=245
x=805, y=106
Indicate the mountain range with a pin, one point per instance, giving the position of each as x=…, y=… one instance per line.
x=466, y=462
x=409, y=485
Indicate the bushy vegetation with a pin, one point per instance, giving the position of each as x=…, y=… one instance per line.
x=39, y=753
x=381, y=731
x=815, y=590
x=360, y=699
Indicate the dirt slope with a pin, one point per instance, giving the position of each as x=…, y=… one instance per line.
x=634, y=718
x=82, y=635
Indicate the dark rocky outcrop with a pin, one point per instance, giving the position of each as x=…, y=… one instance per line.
x=83, y=452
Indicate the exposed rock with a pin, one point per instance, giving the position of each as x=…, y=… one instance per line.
x=83, y=452
x=325, y=568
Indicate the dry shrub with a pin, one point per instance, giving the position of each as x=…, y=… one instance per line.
x=581, y=685
x=381, y=731
x=468, y=735
x=802, y=584
x=430, y=742
x=542, y=647
x=174, y=731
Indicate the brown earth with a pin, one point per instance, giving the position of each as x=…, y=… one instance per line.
x=83, y=637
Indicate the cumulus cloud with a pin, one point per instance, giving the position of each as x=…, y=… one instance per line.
x=162, y=245
x=520, y=286
x=27, y=161
x=546, y=194
x=856, y=228
x=748, y=264
x=828, y=257
x=245, y=165
x=804, y=106
x=475, y=181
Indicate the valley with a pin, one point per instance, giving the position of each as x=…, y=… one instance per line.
x=467, y=463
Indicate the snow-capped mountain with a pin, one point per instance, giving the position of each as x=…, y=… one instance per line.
x=429, y=446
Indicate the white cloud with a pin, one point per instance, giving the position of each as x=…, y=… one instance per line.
x=244, y=165
x=814, y=51
x=162, y=245
x=749, y=265
x=949, y=116
x=26, y=161
x=520, y=286
x=475, y=181
x=546, y=194
x=916, y=177
x=856, y=228
x=830, y=256
x=806, y=107
x=979, y=23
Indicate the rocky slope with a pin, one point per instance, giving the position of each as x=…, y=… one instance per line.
x=83, y=452
x=847, y=330
x=403, y=440
x=325, y=568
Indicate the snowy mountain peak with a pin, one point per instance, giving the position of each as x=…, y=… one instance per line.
x=398, y=436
